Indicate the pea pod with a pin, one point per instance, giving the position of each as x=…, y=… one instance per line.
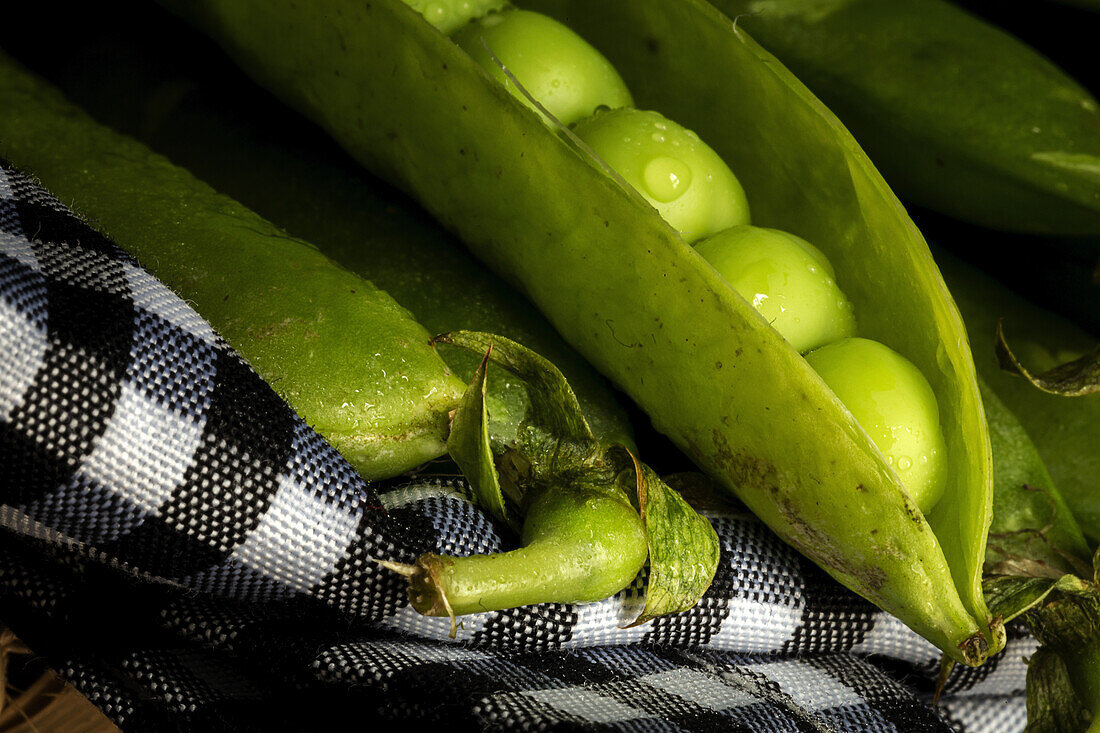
x=379, y=395
x=1066, y=431
x=961, y=117
x=638, y=302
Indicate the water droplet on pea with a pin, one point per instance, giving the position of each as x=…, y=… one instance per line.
x=666, y=179
x=436, y=12
x=658, y=137
x=905, y=463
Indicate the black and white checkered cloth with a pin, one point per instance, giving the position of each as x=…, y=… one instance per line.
x=191, y=555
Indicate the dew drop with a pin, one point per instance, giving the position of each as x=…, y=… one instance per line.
x=658, y=137
x=666, y=179
x=436, y=12
x=905, y=463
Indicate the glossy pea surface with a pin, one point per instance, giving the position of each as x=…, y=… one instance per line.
x=893, y=402
x=679, y=174
x=557, y=67
x=788, y=280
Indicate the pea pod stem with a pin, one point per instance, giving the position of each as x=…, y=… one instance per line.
x=578, y=545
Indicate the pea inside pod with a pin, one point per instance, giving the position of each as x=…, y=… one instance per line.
x=788, y=280
x=679, y=174
x=632, y=296
x=568, y=77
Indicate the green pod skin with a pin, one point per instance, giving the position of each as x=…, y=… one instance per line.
x=1066, y=431
x=960, y=116
x=638, y=302
x=376, y=389
x=568, y=533
x=219, y=127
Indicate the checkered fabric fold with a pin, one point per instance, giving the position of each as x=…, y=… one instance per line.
x=190, y=554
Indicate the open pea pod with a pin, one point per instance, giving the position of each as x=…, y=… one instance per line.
x=1065, y=430
x=960, y=116
x=638, y=302
x=378, y=393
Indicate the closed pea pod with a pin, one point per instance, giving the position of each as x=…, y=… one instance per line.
x=380, y=397
x=646, y=309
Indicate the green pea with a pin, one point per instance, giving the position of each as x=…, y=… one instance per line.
x=684, y=179
x=787, y=279
x=894, y=403
x=556, y=66
x=450, y=15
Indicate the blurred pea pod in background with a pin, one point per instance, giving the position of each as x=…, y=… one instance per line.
x=960, y=116
x=1066, y=431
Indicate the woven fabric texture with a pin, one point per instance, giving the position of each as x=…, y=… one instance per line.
x=192, y=555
